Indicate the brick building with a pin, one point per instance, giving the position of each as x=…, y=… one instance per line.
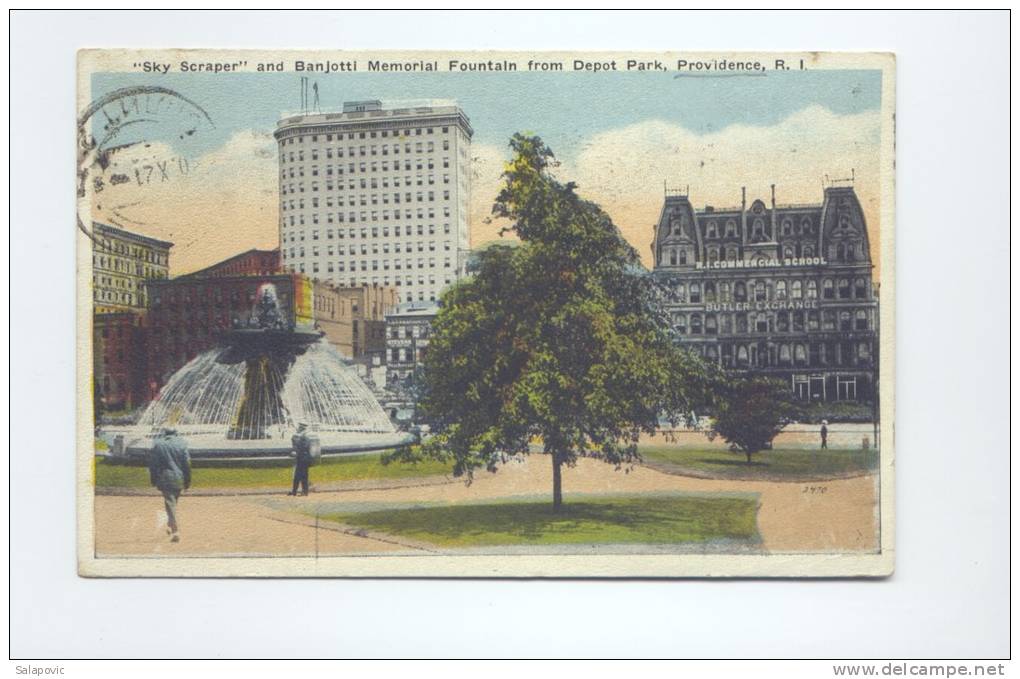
x=253, y=262
x=119, y=360
x=188, y=314
x=369, y=304
x=122, y=263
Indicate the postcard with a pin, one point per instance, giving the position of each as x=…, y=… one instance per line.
x=473, y=314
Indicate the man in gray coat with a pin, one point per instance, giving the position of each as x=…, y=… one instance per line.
x=170, y=471
x=302, y=459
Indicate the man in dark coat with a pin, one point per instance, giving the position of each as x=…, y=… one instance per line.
x=170, y=471
x=825, y=435
x=302, y=459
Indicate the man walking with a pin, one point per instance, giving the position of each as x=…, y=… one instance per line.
x=302, y=459
x=170, y=471
x=825, y=435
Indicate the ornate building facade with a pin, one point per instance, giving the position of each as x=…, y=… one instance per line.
x=781, y=290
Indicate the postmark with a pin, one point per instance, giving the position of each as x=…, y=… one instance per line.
x=133, y=138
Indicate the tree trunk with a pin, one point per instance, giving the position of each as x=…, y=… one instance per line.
x=748, y=456
x=557, y=463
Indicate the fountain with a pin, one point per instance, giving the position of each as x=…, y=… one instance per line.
x=245, y=397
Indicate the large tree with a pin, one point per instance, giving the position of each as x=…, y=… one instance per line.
x=751, y=411
x=554, y=340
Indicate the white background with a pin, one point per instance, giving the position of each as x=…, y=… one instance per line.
x=950, y=594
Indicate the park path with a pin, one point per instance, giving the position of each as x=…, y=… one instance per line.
x=825, y=516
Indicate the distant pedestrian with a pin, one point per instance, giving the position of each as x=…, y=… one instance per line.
x=170, y=472
x=825, y=435
x=302, y=459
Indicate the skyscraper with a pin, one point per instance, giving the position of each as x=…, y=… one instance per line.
x=376, y=195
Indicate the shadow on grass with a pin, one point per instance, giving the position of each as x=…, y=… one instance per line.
x=657, y=519
x=733, y=463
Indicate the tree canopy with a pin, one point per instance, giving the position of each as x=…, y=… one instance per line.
x=556, y=340
x=752, y=411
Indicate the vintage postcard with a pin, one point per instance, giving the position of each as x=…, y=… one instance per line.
x=431, y=314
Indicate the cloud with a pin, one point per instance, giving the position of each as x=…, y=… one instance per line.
x=210, y=207
x=624, y=169
x=226, y=200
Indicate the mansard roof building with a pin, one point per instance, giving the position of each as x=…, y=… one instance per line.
x=784, y=290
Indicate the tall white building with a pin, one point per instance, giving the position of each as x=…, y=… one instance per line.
x=376, y=195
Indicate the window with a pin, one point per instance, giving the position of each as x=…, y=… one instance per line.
x=846, y=388
x=710, y=292
x=760, y=294
x=861, y=319
x=740, y=291
x=796, y=290
x=812, y=289
x=844, y=321
x=695, y=294
x=783, y=321
x=680, y=324
x=780, y=289
x=711, y=325
x=695, y=323
x=828, y=291
x=860, y=288
x=844, y=288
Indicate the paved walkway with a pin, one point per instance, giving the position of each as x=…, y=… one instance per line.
x=793, y=517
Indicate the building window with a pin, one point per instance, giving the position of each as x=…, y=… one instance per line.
x=780, y=289
x=695, y=293
x=710, y=292
x=796, y=290
x=846, y=388
x=861, y=320
x=783, y=321
x=844, y=321
x=844, y=288
x=740, y=291
x=760, y=294
x=711, y=325
x=860, y=288
x=828, y=292
x=695, y=324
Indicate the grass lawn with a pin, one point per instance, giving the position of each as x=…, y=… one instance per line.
x=268, y=473
x=779, y=464
x=647, y=519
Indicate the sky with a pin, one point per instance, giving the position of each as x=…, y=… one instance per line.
x=619, y=136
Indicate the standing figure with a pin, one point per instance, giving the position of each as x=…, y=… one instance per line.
x=825, y=435
x=302, y=459
x=170, y=472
